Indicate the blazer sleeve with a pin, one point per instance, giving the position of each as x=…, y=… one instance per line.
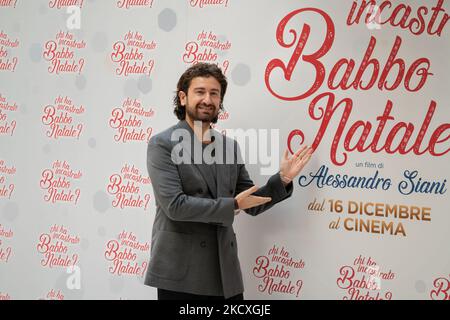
x=170, y=196
x=274, y=187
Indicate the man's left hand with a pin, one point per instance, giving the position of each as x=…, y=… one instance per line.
x=291, y=167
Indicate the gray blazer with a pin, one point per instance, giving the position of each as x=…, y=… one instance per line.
x=194, y=246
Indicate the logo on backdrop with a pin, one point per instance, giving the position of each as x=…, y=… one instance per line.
x=9, y=3
x=58, y=182
x=54, y=295
x=386, y=133
x=441, y=290
x=346, y=75
x=58, y=4
x=4, y=296
x=7, y=185
x=58, y=248
x=208, y=47
x=123, y=252
x=65, y=54
x=8, y=60
x=128, y=4
x=277, y=272
x=62, y=119
x=6, y=250
x=128, y=122
x=132, y=55
x=364, y=280
x=7, y=122
x=128, y=188
x=208, y=3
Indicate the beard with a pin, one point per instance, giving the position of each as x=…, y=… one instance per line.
x=204, y=113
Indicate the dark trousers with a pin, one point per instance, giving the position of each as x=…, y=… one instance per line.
x=174, y=295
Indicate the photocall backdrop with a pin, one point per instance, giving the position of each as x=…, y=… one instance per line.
x=85, y=84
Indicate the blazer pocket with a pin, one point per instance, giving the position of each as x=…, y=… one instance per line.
x=170, y=256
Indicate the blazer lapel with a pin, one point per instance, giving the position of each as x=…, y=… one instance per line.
x=224, y=178
x=201, y=167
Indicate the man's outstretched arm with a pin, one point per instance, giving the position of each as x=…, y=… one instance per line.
x=172, y=199
x=279, y=186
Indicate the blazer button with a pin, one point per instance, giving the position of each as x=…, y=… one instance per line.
x=232, y=243
x=203, y=244
x=231, y=191
x=200, y=190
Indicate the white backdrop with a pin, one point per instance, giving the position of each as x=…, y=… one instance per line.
x=77, y=107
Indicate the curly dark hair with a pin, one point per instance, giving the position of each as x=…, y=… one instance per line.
x=200, y=69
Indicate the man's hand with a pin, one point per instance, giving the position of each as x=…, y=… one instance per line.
x=291, y=167
x=246, y=200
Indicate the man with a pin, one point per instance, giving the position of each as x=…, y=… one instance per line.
x=194, y=251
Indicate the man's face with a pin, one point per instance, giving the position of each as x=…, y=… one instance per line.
x=202, y=101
